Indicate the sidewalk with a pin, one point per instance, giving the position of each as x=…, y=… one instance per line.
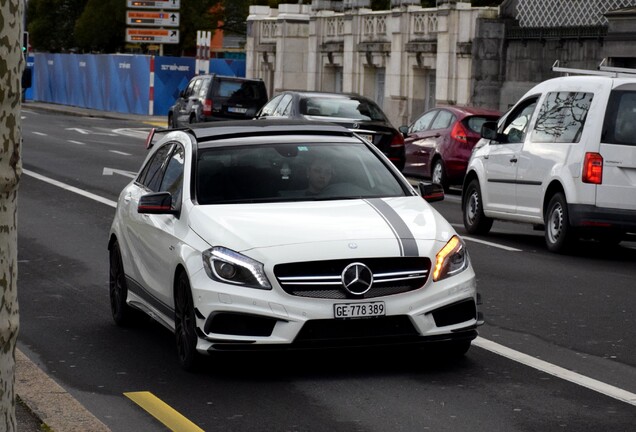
x=158, y=121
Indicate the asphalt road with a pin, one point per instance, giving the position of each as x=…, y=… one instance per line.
x=557, y=352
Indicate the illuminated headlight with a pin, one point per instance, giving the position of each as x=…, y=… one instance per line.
x=225, y=265
x=452, y=259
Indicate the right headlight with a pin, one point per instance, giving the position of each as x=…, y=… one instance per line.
x=451, y=259
x=226, y=265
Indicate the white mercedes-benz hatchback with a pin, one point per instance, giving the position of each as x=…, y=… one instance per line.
x=259, y=235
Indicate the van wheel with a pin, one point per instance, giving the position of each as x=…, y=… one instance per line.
x=171, y=121
x=192, y=119
x=438, y=174
x=475, y=221
x=559, y=235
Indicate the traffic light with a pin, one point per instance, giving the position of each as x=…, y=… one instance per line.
x=25, y=44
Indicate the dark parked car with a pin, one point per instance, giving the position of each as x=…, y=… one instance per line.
x=355, y=112
x=217, y=97
x=439, y=143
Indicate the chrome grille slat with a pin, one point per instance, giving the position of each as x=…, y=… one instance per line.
x=323, y=279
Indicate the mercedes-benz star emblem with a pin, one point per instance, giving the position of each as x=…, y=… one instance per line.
x=356, y=126
x=357, y=278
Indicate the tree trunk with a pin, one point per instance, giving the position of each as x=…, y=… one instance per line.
x=12, y=64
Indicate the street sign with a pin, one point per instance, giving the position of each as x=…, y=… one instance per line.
x=154, y=4
x=160, y=36
x=157, y=19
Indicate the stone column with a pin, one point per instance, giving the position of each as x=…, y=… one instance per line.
x=292, y=50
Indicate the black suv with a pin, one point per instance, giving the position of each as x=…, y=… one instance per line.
x=216, y=97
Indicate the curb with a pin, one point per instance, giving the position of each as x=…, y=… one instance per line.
x=48, y=401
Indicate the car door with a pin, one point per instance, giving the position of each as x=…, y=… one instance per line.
x=155, y=240
x=500, y=163
x=414, y=142
x=182, y=110
x=618, y=148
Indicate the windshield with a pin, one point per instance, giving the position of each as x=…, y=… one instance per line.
x=293, y=172
x=340, y=107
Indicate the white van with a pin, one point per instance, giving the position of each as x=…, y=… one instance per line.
x=563, y=158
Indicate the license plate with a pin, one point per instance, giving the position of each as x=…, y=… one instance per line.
x=237, y=110
x=358, y=310
x=367, y=137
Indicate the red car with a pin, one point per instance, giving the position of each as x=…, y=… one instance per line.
x=439, y=143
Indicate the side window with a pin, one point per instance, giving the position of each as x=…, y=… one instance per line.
x=516, y=124
x=151, y=175
x=619, y=126
x=189, y=89
x=173, y=178
x=203, y=89
x=443, y=120
x=270, y=106
x=197, y=86
x=423, y=122
x=562, y=117
x=285, y=102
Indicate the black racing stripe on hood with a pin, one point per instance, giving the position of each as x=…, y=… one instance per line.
x=404, y=236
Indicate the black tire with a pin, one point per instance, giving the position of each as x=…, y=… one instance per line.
x=123, y=314
x=560, y=236
x=475, y=221
x=171, y=124
x=438, y=174
x=185, y=325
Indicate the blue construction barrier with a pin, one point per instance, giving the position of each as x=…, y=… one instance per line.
x=117, y=82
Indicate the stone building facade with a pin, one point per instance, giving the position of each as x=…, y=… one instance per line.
x=409, y=58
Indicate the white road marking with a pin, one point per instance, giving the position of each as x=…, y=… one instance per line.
x=111, y=171
x=135, y=133
x=541, y=365
x=76, y=142
x=70, y=188
x=82, y=131
x=120, y=152
x=559, y=372
x=39, y=133
x=508, y=248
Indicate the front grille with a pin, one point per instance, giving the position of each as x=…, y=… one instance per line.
x=323, y=279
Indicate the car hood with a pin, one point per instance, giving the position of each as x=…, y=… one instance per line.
x=315, y=230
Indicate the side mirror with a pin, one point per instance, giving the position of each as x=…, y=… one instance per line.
x=489, y=131
x=431, y=192
x=156, y=203
x=404, y=130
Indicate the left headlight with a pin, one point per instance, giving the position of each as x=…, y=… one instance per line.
x=452, y=259
x=226, y=265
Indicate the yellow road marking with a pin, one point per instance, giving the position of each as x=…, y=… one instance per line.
x=163, y=412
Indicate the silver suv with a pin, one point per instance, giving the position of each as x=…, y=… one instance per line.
x=563, y=159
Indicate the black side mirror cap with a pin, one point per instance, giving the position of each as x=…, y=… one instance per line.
x=431, y=192
x=404, y=130
x=156, y=203
x=489, y=132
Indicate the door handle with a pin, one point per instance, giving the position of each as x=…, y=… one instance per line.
x=128, y=197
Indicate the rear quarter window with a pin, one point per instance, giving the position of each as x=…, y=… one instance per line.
x=619, y=126
x=562, y=117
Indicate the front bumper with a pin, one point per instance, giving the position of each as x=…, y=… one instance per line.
x=244, y=319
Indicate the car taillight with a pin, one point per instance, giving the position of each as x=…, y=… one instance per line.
x=397, y=140
x=207, y=107
x=593, y=168
x=459, y=133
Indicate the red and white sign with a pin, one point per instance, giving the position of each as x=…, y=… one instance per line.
x=161, y=36
x=154, y=4
x=157, y=19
